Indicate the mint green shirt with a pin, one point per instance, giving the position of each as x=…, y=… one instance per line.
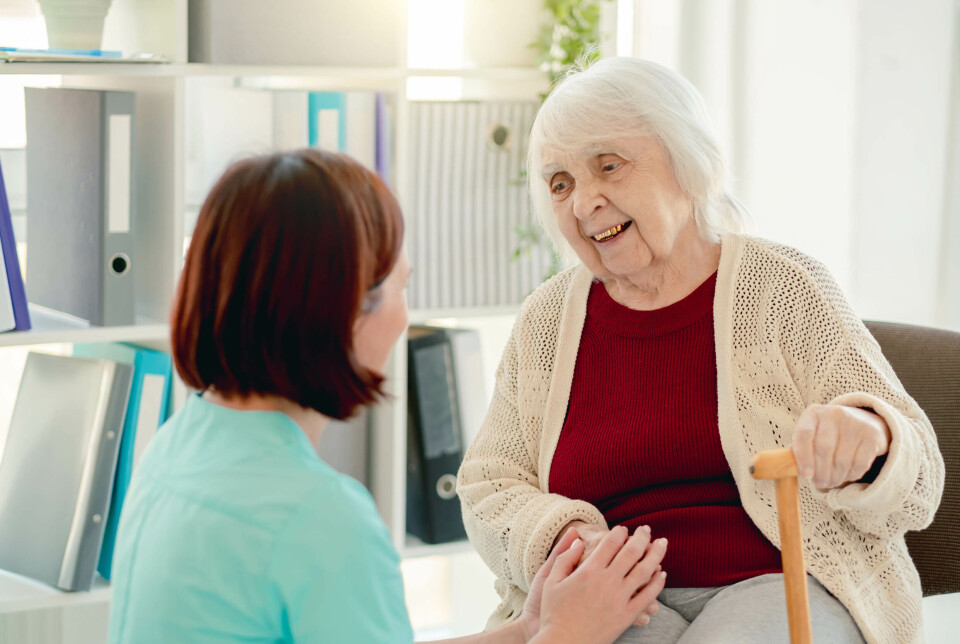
x=234, y=530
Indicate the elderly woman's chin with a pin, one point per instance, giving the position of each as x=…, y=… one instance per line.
x=623, y=256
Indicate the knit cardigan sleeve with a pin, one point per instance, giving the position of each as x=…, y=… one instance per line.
x=842, y=364
x=509, y=517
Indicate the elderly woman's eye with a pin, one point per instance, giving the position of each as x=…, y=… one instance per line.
x=558, y=185
x=611, y=166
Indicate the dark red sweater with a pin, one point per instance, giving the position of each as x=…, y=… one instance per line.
x=641, y=442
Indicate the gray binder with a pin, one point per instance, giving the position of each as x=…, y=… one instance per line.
x=79, y=201
x=58, y=466
x=469, y=377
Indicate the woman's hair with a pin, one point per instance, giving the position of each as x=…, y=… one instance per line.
x=288, y=250
x=618, y=98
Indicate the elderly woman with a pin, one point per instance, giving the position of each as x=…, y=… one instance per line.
x=235, y=530
x=636, y=386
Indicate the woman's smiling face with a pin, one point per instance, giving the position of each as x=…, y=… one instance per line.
x=618, y=205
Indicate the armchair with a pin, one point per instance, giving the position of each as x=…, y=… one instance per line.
x=927, y=362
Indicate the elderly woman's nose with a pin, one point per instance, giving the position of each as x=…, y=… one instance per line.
x=587, y=199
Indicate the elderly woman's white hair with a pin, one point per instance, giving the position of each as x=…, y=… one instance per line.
x=621, y=97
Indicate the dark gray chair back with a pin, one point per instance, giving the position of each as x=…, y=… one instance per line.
x=927, y=361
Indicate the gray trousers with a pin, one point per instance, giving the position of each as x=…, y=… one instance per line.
x=753, y=611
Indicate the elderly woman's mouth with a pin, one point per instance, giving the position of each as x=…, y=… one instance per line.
x=610, y=233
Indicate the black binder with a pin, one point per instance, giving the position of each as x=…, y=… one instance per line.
x=434, y=438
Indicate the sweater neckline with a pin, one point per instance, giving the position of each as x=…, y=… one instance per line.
x=620, y=320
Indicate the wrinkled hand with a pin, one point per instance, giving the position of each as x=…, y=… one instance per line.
x=592, y=535
x=597, y=599
x=835, y=444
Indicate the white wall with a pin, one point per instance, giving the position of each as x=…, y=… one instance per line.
x=842, y=133
x=778, y=80
x=794, y=165
x=905, y=64
x=842, y=123
x=949, y=295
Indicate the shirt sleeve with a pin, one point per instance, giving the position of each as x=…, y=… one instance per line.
x=337, y=573
x=509, y=519
x=852, y=371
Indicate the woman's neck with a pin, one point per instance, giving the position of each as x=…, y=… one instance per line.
x=310, y=421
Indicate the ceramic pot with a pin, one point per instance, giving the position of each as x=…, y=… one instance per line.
x=74, y=24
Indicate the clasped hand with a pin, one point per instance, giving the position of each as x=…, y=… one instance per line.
x=835, y=444
x=620, y=577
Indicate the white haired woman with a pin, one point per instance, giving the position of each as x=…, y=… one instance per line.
x=637, y=384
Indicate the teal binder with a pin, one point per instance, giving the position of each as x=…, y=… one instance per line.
x=327, y=120
x=146, y=411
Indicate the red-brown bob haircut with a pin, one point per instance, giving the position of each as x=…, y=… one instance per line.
x=287, y=251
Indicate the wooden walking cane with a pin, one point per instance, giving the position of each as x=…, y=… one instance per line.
x=779, y=464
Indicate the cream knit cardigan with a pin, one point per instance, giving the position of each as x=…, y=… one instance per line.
x=785, y=338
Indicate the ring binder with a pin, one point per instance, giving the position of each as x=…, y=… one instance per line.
x=58, y=465
x=79, y=202
x=445, y=398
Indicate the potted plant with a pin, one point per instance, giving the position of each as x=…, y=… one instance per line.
x=569, y=34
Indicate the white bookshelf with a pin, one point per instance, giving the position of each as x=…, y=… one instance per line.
x=49, y=328
x=20, y=594
x=164, y=207
x=414, y=548
x=476, y=314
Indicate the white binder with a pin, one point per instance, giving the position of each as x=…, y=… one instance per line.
x=58, y=465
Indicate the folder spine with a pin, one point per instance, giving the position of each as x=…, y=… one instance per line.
x=11, y=263
x=79, y=202
x=7, y=319
x=145, y=412
x=290, y=119
x=384, y=136
x=360, y=109
x=86, y=531
x=118, y=269
x=434, y=439
x=327, y=120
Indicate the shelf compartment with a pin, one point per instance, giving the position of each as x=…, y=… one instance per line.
x=423, y=316
x=19, y=594
x=414, y=548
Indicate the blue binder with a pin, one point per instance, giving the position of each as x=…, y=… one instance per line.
x=384, y=139
x=146, y=411
x=8, y=249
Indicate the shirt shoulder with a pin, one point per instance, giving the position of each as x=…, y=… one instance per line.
x=544, y=307
x=769, y=260
x=336, y=570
